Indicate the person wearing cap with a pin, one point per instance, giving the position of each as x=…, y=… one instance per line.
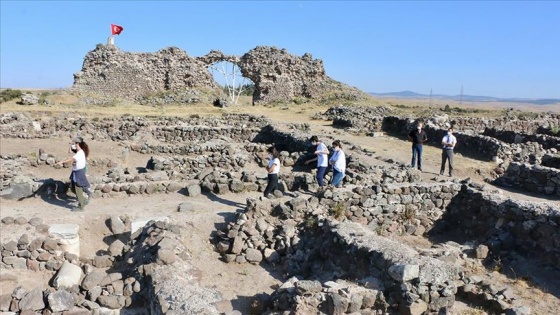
x=78, y=179
x=321, y=156
x=448, y=142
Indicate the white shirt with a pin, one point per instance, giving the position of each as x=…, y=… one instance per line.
x=80, y=158
x=276, y=163
x=450, y=139
x=339, y=159
x=322, y=157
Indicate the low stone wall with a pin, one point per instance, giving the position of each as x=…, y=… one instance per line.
x=360, y=118
x=394, y=208
x=38, y=254
x=531, y=178
x=127, y=127
x=506, y=224
x=11, y=166
x=551, y=160
x=297, y=233
x=547, y=141
x=525, y=125
x=147, y=270
x=470, y=143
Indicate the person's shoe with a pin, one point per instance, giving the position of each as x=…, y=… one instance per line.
x=441, y=173
x=420, y=169
x=270, y=196
x=77, y=209
x=450, y=174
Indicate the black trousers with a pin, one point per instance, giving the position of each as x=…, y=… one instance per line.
x=445, y=156
x=272, y=184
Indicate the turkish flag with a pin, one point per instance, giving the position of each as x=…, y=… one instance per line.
x=116, y=29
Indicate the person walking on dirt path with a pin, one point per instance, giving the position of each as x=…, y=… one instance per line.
x=448, y=142
x=78, y=179
x=418, y=137
x=338, y=162
x=273, y=168
x=321, y=156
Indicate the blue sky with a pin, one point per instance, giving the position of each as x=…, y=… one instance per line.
x=502, y=48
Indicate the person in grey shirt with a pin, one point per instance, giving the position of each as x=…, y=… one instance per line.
x=448, y=142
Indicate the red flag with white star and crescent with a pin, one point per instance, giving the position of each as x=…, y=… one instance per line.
x=116, y=29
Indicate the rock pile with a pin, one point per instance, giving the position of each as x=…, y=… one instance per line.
x=140, y=273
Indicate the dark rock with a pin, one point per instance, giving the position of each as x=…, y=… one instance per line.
x=61, y=300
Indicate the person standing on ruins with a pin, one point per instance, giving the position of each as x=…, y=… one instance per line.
x=78, y=179
x=338, y=162
x=448, y=142
x=321, y=156
x=272, y=168
x=418, y=137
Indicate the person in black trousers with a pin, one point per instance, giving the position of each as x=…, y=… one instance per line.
x=418, y=137
x=448, y=142
x=272, y=168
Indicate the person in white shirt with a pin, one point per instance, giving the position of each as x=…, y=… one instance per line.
x=338, y=162
x=273, y=168
x=78, y=179
x=322, y=153
x=448, y=142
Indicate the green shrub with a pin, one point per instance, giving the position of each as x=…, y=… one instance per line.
x=338, y=210
x=9, y=94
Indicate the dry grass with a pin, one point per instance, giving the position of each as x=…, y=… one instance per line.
x=473, y=311
x=290, y=111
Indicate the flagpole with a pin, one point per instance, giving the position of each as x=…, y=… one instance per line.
x=111, y=40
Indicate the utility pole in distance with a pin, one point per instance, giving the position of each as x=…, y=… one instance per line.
x=430, y=97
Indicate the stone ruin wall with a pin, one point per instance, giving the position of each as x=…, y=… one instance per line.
x=506, y=224
x=532, y=178
x=357, y=116
x=277, y=74
x=525, y=159
x=385, y=208
x=294, y=234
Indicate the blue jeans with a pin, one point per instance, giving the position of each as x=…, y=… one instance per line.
x=337, y=178
x=321, y=171
x=416, y=154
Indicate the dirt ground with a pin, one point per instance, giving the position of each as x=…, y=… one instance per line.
x=236, y=282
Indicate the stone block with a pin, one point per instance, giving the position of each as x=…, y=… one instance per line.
x=68, y=275
x=403, y=273
x=32, y=301
x=61, y=300
x=140, y=223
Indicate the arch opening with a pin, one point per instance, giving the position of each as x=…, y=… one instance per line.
x=229, y=77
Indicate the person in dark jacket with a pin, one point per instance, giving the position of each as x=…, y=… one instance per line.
x=418, y=137
x=78, y=179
